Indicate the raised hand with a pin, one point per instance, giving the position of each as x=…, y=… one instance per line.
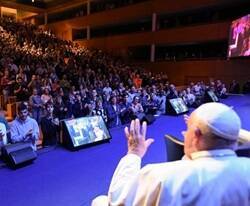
x=136, y=136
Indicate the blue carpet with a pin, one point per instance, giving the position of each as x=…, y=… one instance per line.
x=60, y=177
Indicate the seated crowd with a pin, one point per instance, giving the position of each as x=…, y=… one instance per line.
x=59, y=79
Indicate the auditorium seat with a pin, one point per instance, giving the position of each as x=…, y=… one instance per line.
x=11, y=111
x=11, y=99
x=2, y=102
x=174, y=148
x=244, y=143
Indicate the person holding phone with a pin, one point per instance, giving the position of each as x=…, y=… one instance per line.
x=24, y=128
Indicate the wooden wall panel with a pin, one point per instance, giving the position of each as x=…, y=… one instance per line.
x=138, y=11
x=169, y=6
x=119, y=42
x=193, y=34
x=183, y=72
x=123, y=14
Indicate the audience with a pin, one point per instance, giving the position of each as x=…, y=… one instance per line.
x=209, y=143
x=81, y=82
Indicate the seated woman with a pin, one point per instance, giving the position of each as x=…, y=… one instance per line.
x=49, y=126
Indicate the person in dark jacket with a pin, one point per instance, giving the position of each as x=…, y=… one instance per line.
x=113, y=112
x=49, y=126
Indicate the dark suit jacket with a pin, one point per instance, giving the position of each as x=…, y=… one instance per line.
x=113, y=116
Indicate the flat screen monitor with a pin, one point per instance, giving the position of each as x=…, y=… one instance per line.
x=212, y=96
x=239, y=37
x=178, y=105
x=85, y=130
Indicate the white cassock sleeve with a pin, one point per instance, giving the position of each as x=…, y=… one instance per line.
x=131, y=185
x=126, y=171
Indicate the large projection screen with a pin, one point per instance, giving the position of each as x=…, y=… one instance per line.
x=239, y=38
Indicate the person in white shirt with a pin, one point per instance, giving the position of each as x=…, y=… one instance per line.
x=190, y=98
x=209, y=174
x=107, y=89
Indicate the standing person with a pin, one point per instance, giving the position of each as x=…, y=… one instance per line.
x=78, y=107
x=20, y=90
x=49, y=126
x=113, y=113
x=36, y=104
x=6, y=84
x=24, y=128
x=60, y=109
x=209, y=165
x=126, y=112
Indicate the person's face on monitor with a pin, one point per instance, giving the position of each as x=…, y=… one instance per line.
x=23, y=114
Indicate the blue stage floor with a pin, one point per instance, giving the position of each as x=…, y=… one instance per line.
x=60, y=177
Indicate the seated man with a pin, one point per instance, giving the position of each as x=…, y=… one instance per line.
x=209, y=174
x=24, y=128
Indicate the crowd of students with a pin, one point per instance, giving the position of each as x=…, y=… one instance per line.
x=39, y=68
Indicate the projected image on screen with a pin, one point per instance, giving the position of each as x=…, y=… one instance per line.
x=87, y=130
x=178, y=105
x=212, y=95
x=239, y=39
